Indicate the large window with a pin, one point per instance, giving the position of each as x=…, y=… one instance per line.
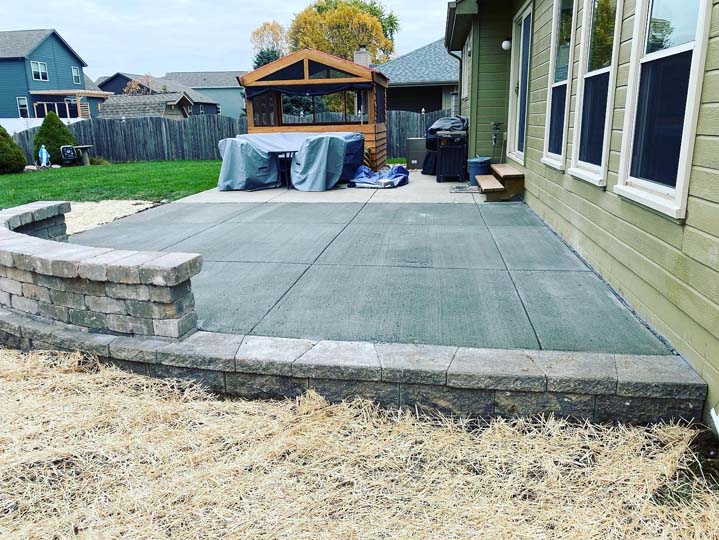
x=668, y=54
x=22, y=107
x=519, y=83
x=76, y=75
x=597, y=74
x=559, y=78
x=39, y=71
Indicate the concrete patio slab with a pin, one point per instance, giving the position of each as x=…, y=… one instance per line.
x=437, y=246
x=214, y=196
x=299, y=213
x=576, y=311
x=337, y=195
x=535, y=248
x=261, y=242
x=208, y=213
x=509, y=214
x=419, y=214
x=136, y=236
x=233, y=297
x=476, y=308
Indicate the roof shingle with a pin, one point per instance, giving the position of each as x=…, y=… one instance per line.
x=431, y=64
x=124, y=106
x=206, y=79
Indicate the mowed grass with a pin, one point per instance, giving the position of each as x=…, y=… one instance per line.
x=148, y=181
x=88, y=452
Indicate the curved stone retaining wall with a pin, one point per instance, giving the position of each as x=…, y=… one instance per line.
x=123, y=305
x=96, y=289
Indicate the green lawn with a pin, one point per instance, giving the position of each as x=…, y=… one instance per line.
x=149, y=181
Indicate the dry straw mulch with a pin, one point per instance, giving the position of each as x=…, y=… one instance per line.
x=91, y=452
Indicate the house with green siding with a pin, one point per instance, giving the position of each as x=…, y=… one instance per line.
x=610, y=109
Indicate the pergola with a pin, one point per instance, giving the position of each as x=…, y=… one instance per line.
x=64, y=109
x=309, y=90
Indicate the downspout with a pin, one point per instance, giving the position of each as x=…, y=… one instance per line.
x=459, y=86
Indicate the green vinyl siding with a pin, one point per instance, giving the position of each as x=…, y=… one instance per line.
x=668, y=270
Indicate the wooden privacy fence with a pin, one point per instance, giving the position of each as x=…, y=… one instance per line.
x=161, y=139
x=402, y=125
x=149, y=138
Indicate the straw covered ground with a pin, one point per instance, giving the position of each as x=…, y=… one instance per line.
x=91, y=452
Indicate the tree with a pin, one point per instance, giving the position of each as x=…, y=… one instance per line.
x=53, y=134
x=12, y=157
x=340, y=27
x=269, y=36
x=388, y=20
x=137, y=88
x=265, y=56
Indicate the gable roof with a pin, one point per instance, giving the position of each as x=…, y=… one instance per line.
x=122, y=106
x=162, y=86
x=355, y=70
x=431, y=64
x=89, y=85
x=21, y=43
x=206, y=79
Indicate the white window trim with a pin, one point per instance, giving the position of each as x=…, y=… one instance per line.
x=551, y=159
x=512, y=152
x=79, y=74
x=202, y=109
x=27, y=106
x=664, y=199
x=589, y=172
x=32, y=71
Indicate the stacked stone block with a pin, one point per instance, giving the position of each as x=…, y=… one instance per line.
x=96, y=289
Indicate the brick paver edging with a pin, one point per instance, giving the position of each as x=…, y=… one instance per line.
x=95, y=289
x=454, y=380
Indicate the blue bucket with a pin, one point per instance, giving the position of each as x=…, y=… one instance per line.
x=477, y=166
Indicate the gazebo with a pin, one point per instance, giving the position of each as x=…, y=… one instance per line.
x=312, y=91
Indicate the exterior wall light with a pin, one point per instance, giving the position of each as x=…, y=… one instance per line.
x=506, y=44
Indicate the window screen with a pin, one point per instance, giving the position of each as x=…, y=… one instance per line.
x=594, y=110
x=660, y=118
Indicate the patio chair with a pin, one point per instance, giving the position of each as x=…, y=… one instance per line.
x=319, y=163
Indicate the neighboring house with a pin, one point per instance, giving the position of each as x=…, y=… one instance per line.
x=40, y=72
x=175, y=106
x=222, y=86
x=425, y=78
x=609, y=108
x=202, y=104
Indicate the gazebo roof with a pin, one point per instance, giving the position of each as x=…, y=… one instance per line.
x=310, y=66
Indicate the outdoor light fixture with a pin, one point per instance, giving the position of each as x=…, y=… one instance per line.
x=506, y=44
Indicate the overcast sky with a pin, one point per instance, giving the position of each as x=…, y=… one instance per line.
x=186, y=35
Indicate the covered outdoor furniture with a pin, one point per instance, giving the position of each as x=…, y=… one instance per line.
x=312, y=91
x=252, y=162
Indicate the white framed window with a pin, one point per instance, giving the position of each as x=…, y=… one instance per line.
x=599, y=48
x=76, y=75
x=559, y=84
x=39, y=71
x=219, y=109
x=23, y=109
x=202, y=109
x=666, y=70
x=521, y=54
x=467, y=65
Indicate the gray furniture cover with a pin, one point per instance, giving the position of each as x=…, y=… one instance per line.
x=248, y=164
x=318, y=165
x=244, y=166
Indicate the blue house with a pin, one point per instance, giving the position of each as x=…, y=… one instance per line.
x=149, y=85
x=222, y=86
x=40, y=72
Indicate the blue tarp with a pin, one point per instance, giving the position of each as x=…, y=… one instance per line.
x=395, y=177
